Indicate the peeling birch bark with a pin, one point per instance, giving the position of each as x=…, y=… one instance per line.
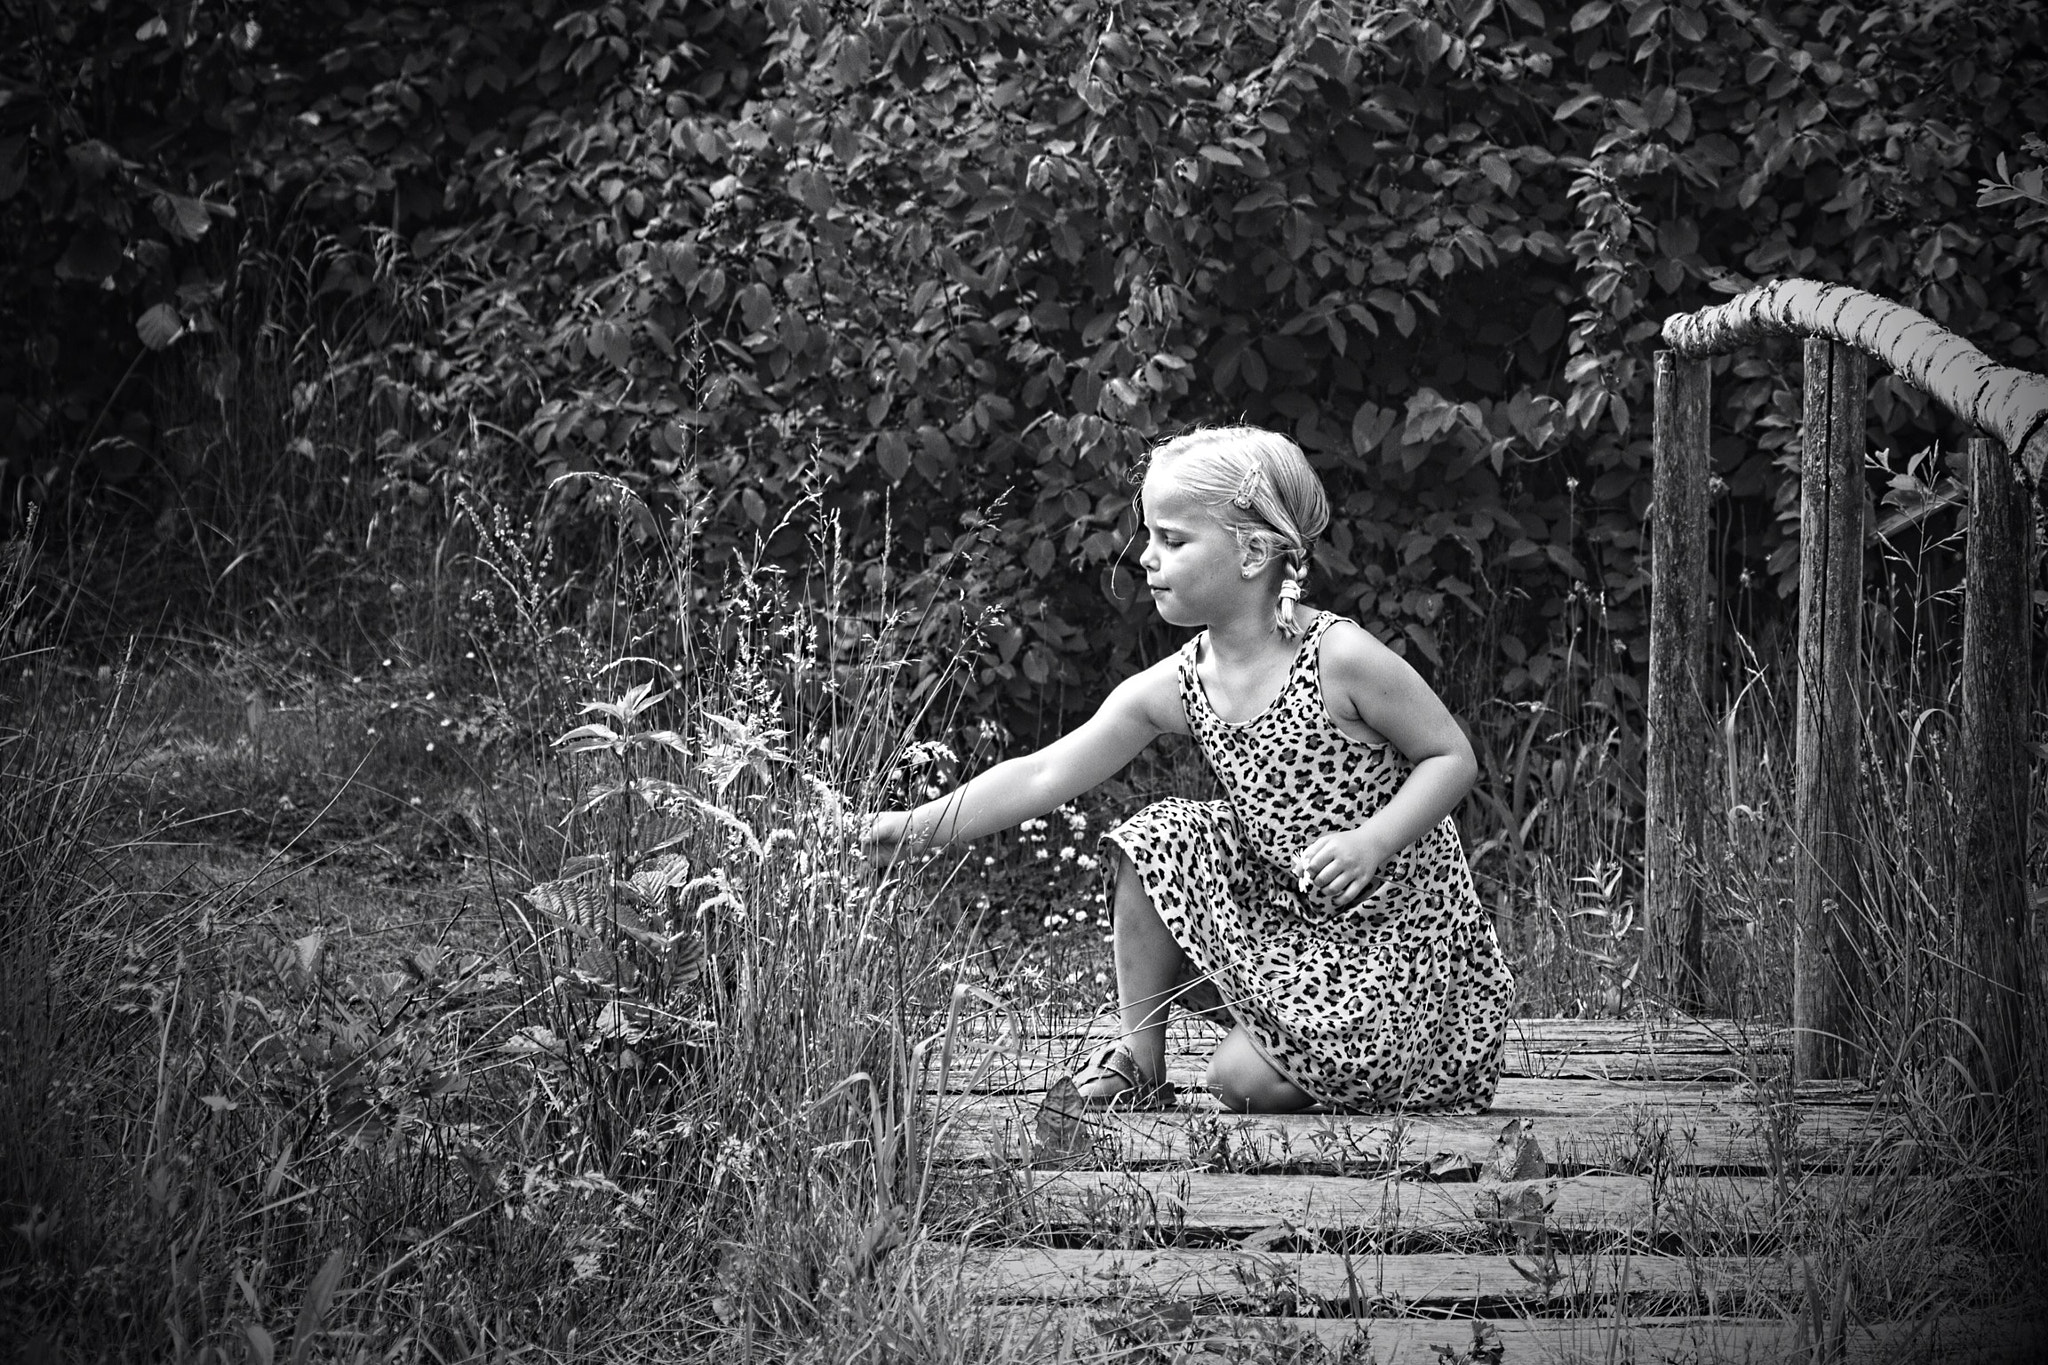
x=2009, y=404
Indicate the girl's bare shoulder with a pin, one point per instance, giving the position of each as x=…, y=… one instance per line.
x=1368, y=684
x=1153, y=694
x=1353, y=653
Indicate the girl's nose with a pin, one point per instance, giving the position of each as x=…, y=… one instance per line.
x=1148, y=558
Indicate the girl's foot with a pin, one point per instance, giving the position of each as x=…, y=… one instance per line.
x=1110, y=1077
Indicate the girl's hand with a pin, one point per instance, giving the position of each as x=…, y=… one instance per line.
x=1344, y=865
x=883, y=835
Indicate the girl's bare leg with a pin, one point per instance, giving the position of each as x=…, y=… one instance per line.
x=1242, y=1078
x=1148, y=963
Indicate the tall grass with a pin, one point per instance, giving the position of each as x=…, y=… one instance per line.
x=669, y=1107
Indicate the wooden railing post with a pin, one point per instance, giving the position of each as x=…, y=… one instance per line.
x=1828, y=933
x=1992, y=892
x=1676, y=826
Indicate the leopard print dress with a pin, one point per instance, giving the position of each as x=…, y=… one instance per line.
x=1400, y=1001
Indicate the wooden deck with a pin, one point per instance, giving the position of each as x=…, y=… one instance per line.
x=1639, y=1192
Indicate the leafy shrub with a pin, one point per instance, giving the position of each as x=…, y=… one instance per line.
x=945, y=273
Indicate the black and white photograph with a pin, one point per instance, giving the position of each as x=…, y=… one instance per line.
x=995, y=682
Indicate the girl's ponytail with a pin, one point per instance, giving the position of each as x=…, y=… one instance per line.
x=1290, y=593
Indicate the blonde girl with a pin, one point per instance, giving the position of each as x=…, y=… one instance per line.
x=1323, y=909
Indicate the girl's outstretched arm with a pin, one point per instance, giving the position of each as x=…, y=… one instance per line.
x=1368, y=683
x=1140, y=710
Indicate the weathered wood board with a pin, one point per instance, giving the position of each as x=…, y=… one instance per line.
x=1012, y=1053
x=1037, y=1332
x=1364, y=1285
x=1197, y=1134
x=1625, y=1206
x=1042, y=1032
x=999, y=1072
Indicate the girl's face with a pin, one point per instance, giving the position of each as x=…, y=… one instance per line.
x=1192, y=562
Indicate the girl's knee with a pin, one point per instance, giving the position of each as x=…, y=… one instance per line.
x=1243, y=1080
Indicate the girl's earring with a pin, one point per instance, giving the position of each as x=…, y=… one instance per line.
x=1247, y=571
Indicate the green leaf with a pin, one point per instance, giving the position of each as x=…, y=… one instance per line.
x=95, y=253
x=892, y=452
x=262, y=1346
x=1590, y=14
x=160, y=326
x=313, y=1311
x=1575, y=104
x=183, y=217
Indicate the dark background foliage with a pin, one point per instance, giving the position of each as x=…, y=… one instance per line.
x=283, y=279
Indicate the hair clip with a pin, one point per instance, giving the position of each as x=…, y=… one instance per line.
x=1247, y=489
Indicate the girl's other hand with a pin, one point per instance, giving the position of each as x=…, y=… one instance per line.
x=1342, y=866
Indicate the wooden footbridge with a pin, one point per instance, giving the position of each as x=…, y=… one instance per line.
x=1691, y=1191
x=1640, y=1191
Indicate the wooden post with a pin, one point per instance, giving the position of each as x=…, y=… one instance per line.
x=1676, y=826
x=1826, y=886
x=1992, y=890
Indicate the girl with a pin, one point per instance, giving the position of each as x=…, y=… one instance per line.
x=1324, y=909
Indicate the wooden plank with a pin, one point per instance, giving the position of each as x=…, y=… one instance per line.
x=1991, y=899
x=1537, y=1097
x=1036, y=1332
x=1196, y=1134
x=1534, y=1095
x=1362, y=1285
x=991, y=1070
x=1024, y=1028
x=1677, y=830
x=1826, y=882
x=1179, y=1202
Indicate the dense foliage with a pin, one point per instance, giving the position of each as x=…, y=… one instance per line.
x=951, y=267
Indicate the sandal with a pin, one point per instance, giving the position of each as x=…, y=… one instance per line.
x=1113, y=1062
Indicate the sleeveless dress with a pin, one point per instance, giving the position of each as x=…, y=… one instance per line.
x=1398, y=1002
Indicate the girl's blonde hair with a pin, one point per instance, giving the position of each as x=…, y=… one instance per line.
x=1261, y=487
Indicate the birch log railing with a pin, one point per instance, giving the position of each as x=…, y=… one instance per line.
x=1842, y=326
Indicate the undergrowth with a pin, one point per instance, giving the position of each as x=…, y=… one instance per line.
x=543, y=1009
